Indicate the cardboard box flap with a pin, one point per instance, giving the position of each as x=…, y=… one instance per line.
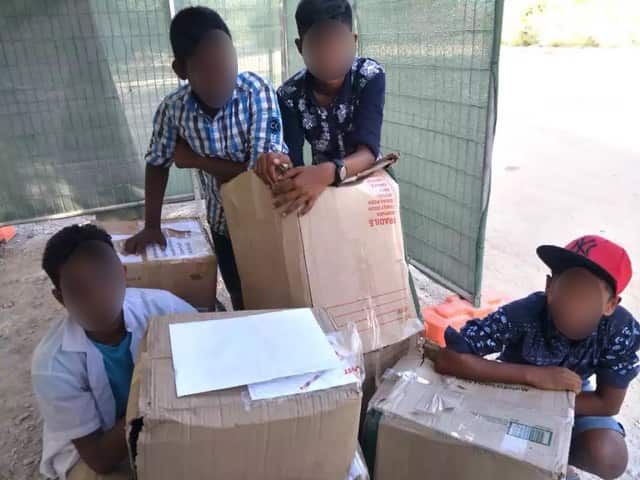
x=121, y=227
x=435, y=392
x=510, y=420
x=358, y=289
x=346, y=255
x=271, y=252
x=380, y=164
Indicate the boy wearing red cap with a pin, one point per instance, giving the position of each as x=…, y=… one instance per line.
x=559, y=339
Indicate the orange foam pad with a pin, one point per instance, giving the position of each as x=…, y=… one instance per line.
x=7, y=233
x=455, y=312
x=454, y=306
x=435, y=325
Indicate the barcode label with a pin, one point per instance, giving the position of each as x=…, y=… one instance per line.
x=529, y=433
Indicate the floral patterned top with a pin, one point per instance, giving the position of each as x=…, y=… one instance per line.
x=523, y=332
x=353, y=119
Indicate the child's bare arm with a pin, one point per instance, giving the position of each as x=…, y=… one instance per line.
x=158, y=159
x=222, y=169
x=606, y=401
x=359, y=160
x=155, y=184
x=472, y=367
x=103, y=451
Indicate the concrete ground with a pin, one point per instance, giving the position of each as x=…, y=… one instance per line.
x=566, y=163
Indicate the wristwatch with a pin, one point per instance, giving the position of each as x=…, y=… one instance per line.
x=341, y=172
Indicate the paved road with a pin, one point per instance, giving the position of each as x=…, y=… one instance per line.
x=566, y=160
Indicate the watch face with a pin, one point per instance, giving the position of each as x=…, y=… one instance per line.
x=343, y=173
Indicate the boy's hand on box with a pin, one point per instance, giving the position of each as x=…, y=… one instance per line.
x=269, y=166
x=553, y=378
x=147, y=236
x=300, y=187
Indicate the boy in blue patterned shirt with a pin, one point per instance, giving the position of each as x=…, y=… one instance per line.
x=220, y=123
x=557, y=340
x=335, y=104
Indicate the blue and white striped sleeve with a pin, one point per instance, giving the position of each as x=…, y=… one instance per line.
x=163, y=138
x=265, y=128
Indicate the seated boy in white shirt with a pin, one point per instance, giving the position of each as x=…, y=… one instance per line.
x=82, y=368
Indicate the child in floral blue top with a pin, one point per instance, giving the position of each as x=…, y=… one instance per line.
x=559, y=339
x=353, y=120
x=335, y=103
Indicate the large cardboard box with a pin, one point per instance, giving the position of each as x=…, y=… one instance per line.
x=424, y=425
x=346, y=255
x=187, y=267
x=226, y=435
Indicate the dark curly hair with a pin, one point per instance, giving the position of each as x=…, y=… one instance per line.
x=312, y=12
x=189, y=27
x=68, y=241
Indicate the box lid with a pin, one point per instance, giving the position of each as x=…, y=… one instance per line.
x=185, y=240
x=520, y=422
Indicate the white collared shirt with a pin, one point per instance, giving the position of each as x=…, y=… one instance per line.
x=70, y=381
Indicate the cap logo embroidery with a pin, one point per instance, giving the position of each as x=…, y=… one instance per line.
x=583, y=246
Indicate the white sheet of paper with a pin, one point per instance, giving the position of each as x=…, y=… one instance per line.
x=219, y=354
x=177, y=247
x=129, y=258
x=183, y=226
x=308, y=382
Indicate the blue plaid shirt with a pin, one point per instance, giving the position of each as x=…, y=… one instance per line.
x=523, y=332
x=248, y=125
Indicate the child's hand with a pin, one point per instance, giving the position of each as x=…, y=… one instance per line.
x=553, y=378
x=268, y=165
x=300, y=187
x=147, y=236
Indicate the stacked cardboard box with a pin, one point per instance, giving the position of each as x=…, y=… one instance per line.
x=424, y=425
x=187, y=267
x=225, y=434
x=346, y=255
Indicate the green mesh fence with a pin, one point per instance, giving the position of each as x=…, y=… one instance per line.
x=441, y=59
x=256, y=30
x=80, y=81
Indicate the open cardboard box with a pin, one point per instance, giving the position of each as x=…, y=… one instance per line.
x=224, y=434
x=187, y=267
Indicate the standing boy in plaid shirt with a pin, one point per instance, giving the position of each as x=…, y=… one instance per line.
x=219, y=124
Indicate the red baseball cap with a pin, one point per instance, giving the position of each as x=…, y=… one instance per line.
x=600, y=256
